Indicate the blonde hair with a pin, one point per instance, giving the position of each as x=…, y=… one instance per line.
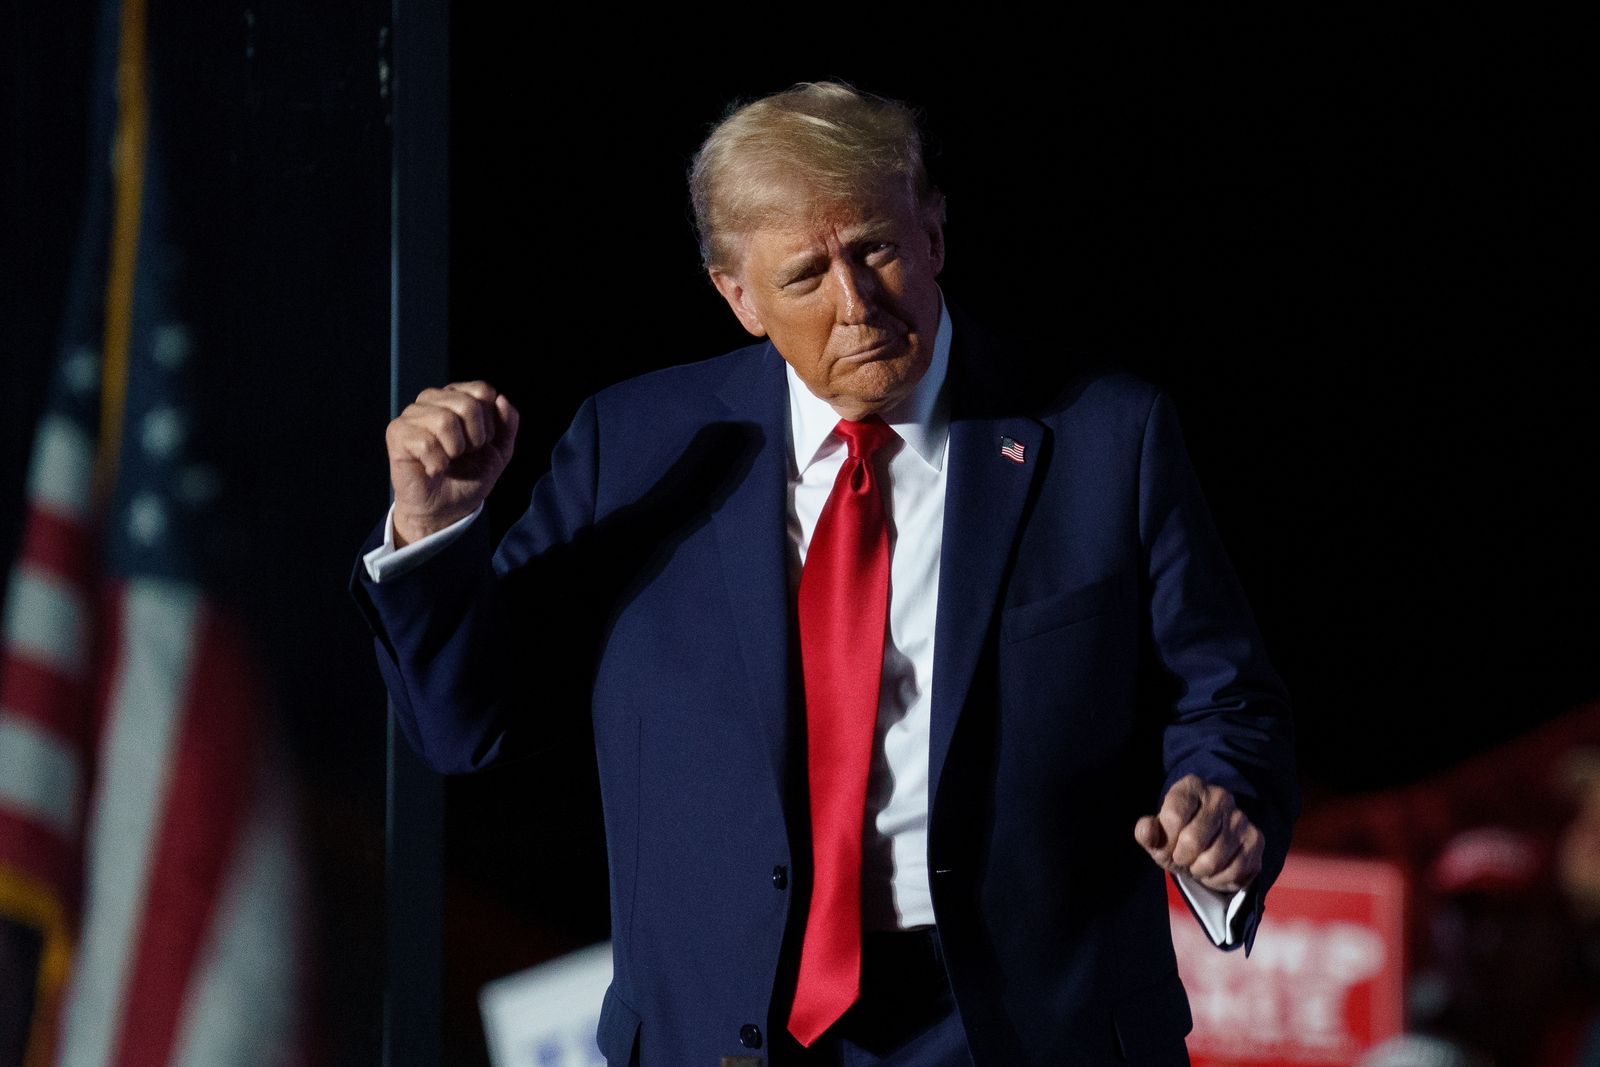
x=809, y=147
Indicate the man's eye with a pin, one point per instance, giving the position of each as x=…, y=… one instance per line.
x=880, y=252
x=802, y=282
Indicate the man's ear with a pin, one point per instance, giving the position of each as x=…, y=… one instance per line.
x=738, y=298
x=933, y=226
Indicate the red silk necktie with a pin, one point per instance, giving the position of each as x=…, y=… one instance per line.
x=843, y=609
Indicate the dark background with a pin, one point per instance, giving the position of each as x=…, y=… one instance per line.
x=1358, y=255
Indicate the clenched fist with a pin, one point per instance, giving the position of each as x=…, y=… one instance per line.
x=446, y=451
x=1200, y=833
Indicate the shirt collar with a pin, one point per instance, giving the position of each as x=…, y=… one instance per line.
x=922, y=419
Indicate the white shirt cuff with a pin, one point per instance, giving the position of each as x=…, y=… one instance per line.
x=1217, y=910
x=386, y=561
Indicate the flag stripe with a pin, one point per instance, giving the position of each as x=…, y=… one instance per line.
x=111, y=648
x=243, y=1007
x=40, y=695
x=157, y=646
x=59, y=545
x=38, y=853
x=45, y=620
x=61, y=476
x=201, y=828
x=39, y=775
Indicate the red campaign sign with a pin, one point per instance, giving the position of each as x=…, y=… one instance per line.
x=1324, y=980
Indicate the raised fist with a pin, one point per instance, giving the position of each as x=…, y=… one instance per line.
x=446, y=451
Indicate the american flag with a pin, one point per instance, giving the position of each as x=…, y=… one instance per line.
x=1012, y=449
x=146, y=830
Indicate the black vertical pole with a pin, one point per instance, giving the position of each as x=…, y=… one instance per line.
x=418, y=357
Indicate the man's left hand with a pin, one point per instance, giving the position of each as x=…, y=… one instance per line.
x=1201, y=833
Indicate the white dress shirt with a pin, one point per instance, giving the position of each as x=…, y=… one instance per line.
x=895, y=893
x=894, y=861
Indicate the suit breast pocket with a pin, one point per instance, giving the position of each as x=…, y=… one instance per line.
x=1059, y=610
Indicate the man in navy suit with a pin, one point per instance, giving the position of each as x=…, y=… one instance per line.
x=906, y=689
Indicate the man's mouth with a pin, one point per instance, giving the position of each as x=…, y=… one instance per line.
x=879, y=350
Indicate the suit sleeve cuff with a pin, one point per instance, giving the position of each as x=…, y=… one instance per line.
x=1220, y=913
x=386, y=562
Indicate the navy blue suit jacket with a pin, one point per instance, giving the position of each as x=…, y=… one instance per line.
x=1092, y=646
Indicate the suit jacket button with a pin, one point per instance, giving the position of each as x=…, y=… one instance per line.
x=750, y=1035
x=780, y=879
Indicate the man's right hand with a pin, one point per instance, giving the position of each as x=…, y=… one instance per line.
x=446, y=451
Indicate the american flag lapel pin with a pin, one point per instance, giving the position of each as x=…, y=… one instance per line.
x=1012, y=449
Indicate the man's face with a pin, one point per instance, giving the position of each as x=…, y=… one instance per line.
x=847, y=296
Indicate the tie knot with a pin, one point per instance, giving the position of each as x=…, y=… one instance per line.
x=864, y=437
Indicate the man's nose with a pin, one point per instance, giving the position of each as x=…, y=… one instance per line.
x=858, y=290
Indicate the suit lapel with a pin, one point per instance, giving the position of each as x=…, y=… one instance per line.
x=985, y=496
x=752, y=539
